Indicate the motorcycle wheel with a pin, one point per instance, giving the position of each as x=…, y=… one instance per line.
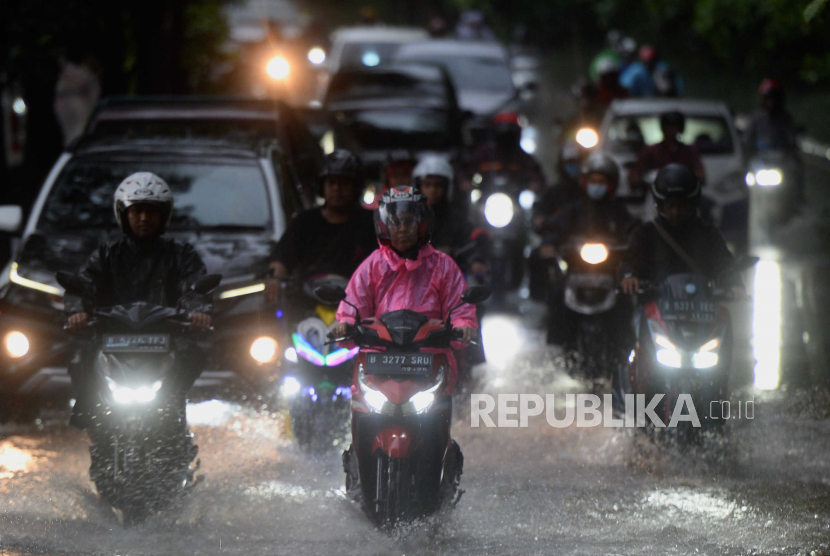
x=137, y=478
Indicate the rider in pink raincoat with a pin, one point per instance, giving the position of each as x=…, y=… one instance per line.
x=407, y=273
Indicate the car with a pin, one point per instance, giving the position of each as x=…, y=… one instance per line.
x=232, y=204
x=366, y=46
x=480, y=71
x=630, y=125
x=399, y=106
x=225, y=118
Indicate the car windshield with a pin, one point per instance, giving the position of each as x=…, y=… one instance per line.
x=356, y=54
x=230, y=130
x=470, y=73
x=230, y=195
x=410, y=128
x=710, y=134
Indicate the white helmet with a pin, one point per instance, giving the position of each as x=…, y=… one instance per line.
x=143, y=188
x=434, y=165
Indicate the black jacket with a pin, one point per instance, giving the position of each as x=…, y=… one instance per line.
x=651, y=258
x=159, y=271
x=608, y=219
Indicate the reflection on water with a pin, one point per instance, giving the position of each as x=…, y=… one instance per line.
x=501, y=338
x=766, y=325
x=13, y=460
x=687, y=500
x=213, y=413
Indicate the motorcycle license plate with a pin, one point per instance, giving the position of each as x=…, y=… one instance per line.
x=694, y=311
x=398, y=364
x=136, y=343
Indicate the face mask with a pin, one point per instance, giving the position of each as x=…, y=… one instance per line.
x=597, y=191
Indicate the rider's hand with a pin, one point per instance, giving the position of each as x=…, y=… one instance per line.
x=630, y=285
x=200, y=321
x=78, y=320
x=340, y=329
x=469, y=334
x=479, y=268
x=547, y=252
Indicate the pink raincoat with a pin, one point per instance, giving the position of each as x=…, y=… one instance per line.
x=432, y=284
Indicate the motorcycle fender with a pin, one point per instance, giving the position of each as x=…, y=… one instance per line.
x=395, y=442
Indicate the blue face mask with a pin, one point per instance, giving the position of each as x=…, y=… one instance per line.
x=597, y=191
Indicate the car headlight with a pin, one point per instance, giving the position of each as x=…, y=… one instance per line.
x=278, y=68
x=264, y=349
x=768, y=177
x=316, y=55
x=594, y=253
x=498, y=210
x=587, y=138
x=17, y=344
x=421, y=401
x=374, y=397
x=126, y=395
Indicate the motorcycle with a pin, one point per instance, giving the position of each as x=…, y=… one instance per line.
x=684, y=346
x=317, y=377
x=141, y=448
x=402, y=463
x=500, y=205
x=590, y=298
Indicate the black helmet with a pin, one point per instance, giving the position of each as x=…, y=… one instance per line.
x=601, y=163
x=398, y=200
x=342, y=163
x=676, y=182
x=673, y=118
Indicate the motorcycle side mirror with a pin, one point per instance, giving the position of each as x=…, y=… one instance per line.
x=744, y=262
x=207, y=283
x=474, y=295
x=330, y=294
x=333, y=295
x=71, y=283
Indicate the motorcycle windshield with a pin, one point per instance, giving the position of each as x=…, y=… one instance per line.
x=137, y=315
x=403, y=325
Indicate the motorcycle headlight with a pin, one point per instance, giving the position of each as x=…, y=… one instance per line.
x=498, y=210
x=594, y=253
x=669, y=358
x=316, y=55
x=421, y=401
x=290, y=387
x=278, y=68
x=17, y=344
x=125, y=395
x=374, y=397
x=768, y=177
x=706, y=357
x=475, y=195
x=264, y=349
x=587, y=138
x=526, y=199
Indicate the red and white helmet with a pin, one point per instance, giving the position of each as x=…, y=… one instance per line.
x=403, y=199
x=143, y=188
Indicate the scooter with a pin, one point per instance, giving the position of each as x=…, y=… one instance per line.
x=590, y=298
x=402, y=464
x=141, y=448
x=684, y=346
x=316, y=377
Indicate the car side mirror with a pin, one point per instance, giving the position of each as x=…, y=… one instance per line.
x=330, y=294
x=11, y=217
x=207, y=283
